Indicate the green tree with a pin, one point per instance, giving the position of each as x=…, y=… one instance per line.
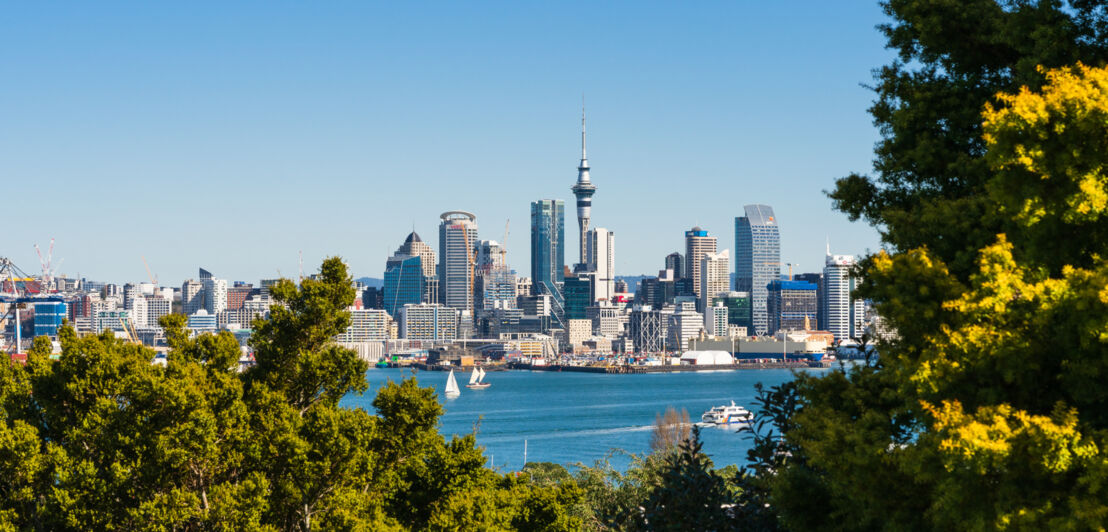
x=988, y=411
x=102, y=439
x=690, y=494
x=953, y=57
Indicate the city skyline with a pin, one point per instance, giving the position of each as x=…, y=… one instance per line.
x=237, y=154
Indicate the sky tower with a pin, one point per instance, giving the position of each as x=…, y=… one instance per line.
x=583, y=191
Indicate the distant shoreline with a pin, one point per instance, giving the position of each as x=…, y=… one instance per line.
x=623, y=369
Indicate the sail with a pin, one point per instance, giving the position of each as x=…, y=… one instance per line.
x=475, y=376
x=481, y=376
x=452, y=385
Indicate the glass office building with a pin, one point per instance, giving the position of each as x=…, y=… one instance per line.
x=548, y=248
x=757, y=259
x=404, y=282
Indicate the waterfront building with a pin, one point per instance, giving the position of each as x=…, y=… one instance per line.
x=366, y=325
x=583, y=191
x=698, y=243
x=715, y=320
x=428, y=321
x=685, y=323
x=844, y=314
x=791, y=305
x=548, y=247
x=821, y=311
x=600, y=262
x=757, y=259
x=578, y=331
x=676, y=263
x=457, y=238
x=715, y=277
x=648, y=328
x=404, y=282
x=49, y=315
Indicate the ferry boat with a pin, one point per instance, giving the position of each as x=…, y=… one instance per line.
x=726, y=415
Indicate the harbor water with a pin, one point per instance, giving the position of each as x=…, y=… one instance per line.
x=567, y=417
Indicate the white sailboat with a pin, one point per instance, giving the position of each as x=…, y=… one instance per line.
x=477, y=379
x=452, y=389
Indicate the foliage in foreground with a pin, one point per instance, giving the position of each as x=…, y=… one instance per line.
x=101, y=439
x=989, y=410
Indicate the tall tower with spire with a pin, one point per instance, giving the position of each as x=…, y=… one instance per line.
x=583, y=191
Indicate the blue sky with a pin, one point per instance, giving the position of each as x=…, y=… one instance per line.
x=233, y=135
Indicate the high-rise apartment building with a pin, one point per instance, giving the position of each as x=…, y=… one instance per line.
x=548, y=244
x=215, y=295
x=600, y=255
x=844, y=315
x=366, y=325
x=715, y=320
x=457, y=240
x=192, y=298
x=156, y=307
x=428, y=322
x=715, y=277
x=757, y=259
x=404, y=282
x=697, y=244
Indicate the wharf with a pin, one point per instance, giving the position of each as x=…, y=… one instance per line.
x=625, y=369
x=621, y=369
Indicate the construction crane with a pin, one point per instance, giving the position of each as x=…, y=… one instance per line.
x=153, y=278
x=46, y=263
x=504, y=245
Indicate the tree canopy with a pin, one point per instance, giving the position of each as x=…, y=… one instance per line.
x=988, y=409
x=102, y=439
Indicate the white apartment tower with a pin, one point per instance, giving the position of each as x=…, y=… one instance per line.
x=715, y=277
x=845, y=314
x=601, y=262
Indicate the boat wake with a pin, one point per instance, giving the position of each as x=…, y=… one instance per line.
x=563, y=434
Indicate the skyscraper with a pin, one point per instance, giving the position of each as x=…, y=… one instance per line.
x=583, y=191
x=845, y=316
x=715, y=273
x=416, y=247
x=548, y=244
x=675, y=262
x=757, y=259
x=600, y=253
x=457, y=239
x=404, y=282
x=697, y=244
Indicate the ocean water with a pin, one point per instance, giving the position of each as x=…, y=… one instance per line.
x=567, y=417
